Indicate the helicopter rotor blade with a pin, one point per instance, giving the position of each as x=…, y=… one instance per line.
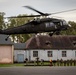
x=34, y=10
x=47, y=14
x=63, y=11
x=24, y=16
x=41, y=13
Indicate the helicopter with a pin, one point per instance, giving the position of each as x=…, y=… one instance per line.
x=39, y=25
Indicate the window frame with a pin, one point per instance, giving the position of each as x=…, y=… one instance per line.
x=35, y=53
x=64, y=53
x=50, y=53
x=75, y=53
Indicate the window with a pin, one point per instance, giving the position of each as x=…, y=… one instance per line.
x=63, y=53
x=50, y=53
x=35, y=53
x=75, y=53
x=48, y=43
x=49, y=24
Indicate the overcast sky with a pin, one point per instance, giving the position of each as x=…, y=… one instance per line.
x=14, y=7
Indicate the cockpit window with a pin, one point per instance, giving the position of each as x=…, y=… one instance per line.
x=64, y=22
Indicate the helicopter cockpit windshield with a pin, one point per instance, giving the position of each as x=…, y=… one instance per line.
x=66, y=23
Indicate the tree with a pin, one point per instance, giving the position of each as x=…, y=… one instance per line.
x=14, y=22
x=2, y=24
x=71, y=30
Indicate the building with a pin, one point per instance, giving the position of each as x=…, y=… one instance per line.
x=43, y=46
x=51, y=47
x=20, y=53
x=6, y=49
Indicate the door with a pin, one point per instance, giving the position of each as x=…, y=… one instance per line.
x=20, y=58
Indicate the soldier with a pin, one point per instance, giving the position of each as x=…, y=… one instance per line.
x=58, y=62
x=54, y=62
x=50, y=62
x=26, y=61
x=64, y=62
x=67, y=62
x=37, y=60
x=61, y=62
x=71, y=62
x=42, y=62
x=74, y=62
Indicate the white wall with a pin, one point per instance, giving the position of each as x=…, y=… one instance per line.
x=42, y=54
x=74, y=56
x=57, y=54
x=16, y=52
x=70, y=54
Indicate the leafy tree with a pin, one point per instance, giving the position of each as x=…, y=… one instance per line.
x=14, y=22
x=2, y=24
x=71, y=30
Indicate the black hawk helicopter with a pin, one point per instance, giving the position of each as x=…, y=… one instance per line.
x=39, y=25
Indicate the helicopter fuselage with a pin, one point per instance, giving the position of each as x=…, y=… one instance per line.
x=38, y=26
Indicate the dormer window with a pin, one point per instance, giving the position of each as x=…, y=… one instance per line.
x=48, y=43
x=74, y=43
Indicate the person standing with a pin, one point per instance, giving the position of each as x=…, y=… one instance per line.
x=50, y=62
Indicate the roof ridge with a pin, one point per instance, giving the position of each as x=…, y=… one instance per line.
x=28, y=41
x=37, y=40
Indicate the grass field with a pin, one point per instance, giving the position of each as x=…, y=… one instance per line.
x=36, y=64
x=11, y=65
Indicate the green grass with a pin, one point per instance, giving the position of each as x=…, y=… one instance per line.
x=22, y=64
x=11, y=65
x=32, y=64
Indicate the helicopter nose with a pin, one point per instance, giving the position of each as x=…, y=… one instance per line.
x=69, y=25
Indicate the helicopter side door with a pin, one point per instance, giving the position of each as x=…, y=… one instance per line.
x=34, y=28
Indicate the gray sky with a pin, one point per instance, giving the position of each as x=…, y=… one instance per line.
x=14, y=7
